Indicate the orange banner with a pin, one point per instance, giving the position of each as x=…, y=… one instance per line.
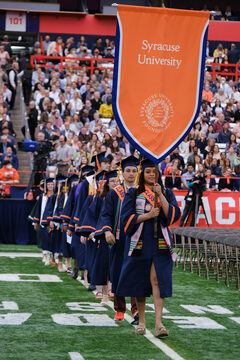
x=158, y=75
x=222, y=208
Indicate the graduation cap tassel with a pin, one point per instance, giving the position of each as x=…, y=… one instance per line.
x=65, y=188
x=138, y=175
x=119, y=171
x=101, y=184
x=98, y=164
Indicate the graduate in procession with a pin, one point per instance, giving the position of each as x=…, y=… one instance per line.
x=44, y=236
x=64, y=243
x=148, y=254
x=109, y=225
x=88, y=188
x=100, y=262
x=78, y=250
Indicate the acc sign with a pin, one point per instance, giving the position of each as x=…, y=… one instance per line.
x=158, y=73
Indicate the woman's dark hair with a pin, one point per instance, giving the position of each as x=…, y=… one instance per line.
x=105, y=190
x=141, y=185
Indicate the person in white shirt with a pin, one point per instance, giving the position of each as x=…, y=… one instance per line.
x=54, y=94
x=76, y=103
x=7, y=94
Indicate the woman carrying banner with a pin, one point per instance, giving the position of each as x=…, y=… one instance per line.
x=148, y=257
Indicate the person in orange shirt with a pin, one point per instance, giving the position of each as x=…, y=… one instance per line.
x=207, y=94
x=8, y=177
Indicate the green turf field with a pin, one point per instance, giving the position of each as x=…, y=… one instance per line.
x=41, y=338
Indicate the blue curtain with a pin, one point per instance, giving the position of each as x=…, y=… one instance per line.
x=15, y=228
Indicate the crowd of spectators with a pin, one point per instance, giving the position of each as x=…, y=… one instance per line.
x=8, y=147
x=70, y=115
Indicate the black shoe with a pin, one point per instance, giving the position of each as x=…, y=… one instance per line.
x=91, y=287
x=135, y=320
x=75, y=273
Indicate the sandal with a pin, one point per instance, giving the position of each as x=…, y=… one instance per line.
x=160, y=331
x=104, y=300
x=140, y=329
x=110, y=294
x=69, y=271
x=99, y=295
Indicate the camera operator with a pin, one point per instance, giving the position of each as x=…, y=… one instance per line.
x=40, y=159
x=32, y=119
x=196, y=188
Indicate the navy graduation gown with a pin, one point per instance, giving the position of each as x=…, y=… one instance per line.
x=44, y=235
x=107, y=222
x=135, y=275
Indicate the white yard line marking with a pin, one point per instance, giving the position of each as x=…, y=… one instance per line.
x=30, y=277
x=75, y=356
x=157, y=342
x=13, y=255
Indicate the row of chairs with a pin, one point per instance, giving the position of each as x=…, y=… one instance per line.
x=213, y=252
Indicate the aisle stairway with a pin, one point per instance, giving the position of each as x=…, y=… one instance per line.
x=23, y=157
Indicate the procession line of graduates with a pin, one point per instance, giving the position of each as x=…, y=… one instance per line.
x=117, y=233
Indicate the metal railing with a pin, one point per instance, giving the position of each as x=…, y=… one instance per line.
x=70, y=63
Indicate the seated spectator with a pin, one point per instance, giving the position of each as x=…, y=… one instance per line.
x=202, y=142
x=216, y=153
x=191, y=158
x=211, y=133
x=197, y=129
x=114, y=147
x=235, y=95
x=166, y=163
x=65, y=129
x=231, y=155
x=223, y=157
x=215, y=169
x=105, y=110
x=175, y=155
x=4, y=144
x=76, y=102
x=207, y=94
x=126, y=147
x=236, y=160
x=173, y=180
x=49, y=130
x=83, y=135
x=220, y=96
x=8, y=176
x=197, y=162
x=184, y=148
x=217, y=107
x=187, y=176
x=7, y=93
x=10, y=138
x=228, y=112
x=218, y=123
x=227, y=183
x=57, y=120
x=232, y=142
x=56, y=45
x=224, y=134
x=208, y=160
x=9, y=156
x=96, y=101
x=210, y=181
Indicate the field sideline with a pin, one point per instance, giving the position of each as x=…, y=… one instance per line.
x=61, y=319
